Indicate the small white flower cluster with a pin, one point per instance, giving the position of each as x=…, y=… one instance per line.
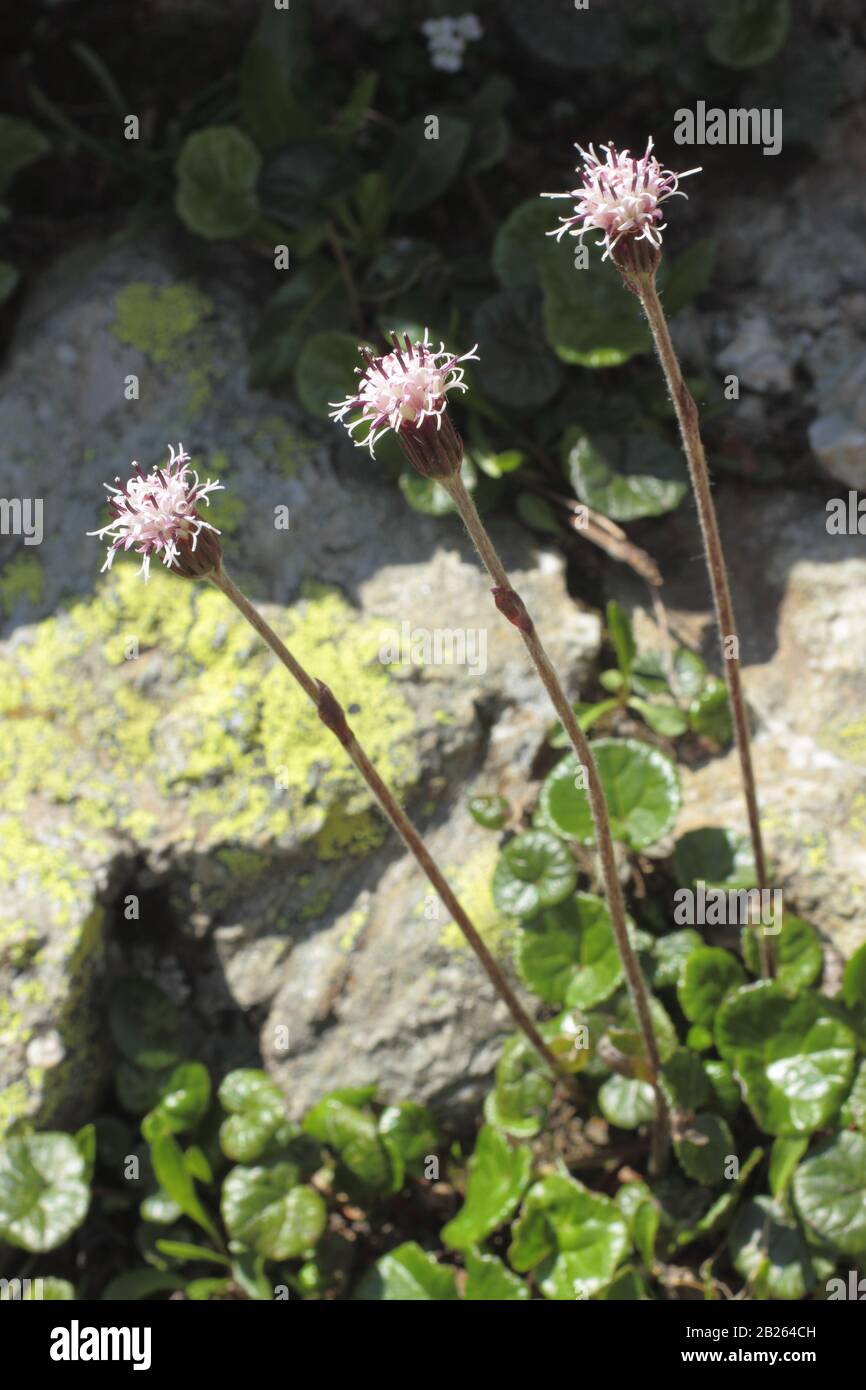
x=447, y=38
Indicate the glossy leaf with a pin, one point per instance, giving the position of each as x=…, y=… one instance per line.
x=705, y=1150
x=353, y=1135
x=569, y=955
x=641, y=788
x=44, y=1194
x=716, y=857
x=266, y=1209
x=498, y=1175
x=625, y=478
x=523, y=1088
x=625, y=1102
x=830, y=1194
x=577, y=1236
x=489, y=811
x=767, y=1246
x=799, y=959
x=535, y=870
x=409, y=1134
x=794, y=1058
x=489, y=1280
x=708, y=975
x=407, y=1274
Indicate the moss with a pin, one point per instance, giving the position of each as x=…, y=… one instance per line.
x=21, y=578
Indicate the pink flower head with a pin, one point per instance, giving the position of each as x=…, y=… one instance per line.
x=402, y=389
x=620, y=196
x=157, y=513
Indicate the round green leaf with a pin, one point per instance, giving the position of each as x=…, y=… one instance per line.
x=248, y=1088
x=217, y=169
x=145, y=1024
x=44, y=1194
x=716, y=857
x=520, y=246
x=498, y=1176
x=799, y=958
x=535, y=870
x=628, y=1038
x=184, y=1099
x=794, y=1058
x=407, y=1274
x=353, y=1134
x=640, y=475
x=707, y=977
x=489, y=811
x=409, y=1134
x=854, y=1110
x=590, y=319
x=579, y=1236
x=685, y=1082
x=297, y=180
x=725, y=1088
x=626, y=1102
x=324, y=372
x=266, y=1209
x=745, y=33
x=670, y=954
x=830, y=1194
x=521, y=1095
x=690, y=671
x=421, y=164
x=641, y=788
x=705, y=1149
x=490, y=1281
x=569, y=955
x=516, y=367
x=311, y=301
x=767, y=1247
x=710, y=713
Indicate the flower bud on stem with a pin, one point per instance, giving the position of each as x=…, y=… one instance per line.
x=333, y=716
x=512, y=606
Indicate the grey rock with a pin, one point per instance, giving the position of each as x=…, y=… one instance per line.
x=173, y=808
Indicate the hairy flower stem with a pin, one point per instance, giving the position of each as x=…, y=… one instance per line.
x=509, y=602
x=687, y=416
x=333, y=717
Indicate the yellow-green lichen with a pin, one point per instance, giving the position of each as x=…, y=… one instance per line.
x=277, y=442
x=357, y=920
x=160, y=321
x=21, y=578
x=847, y=740
x=156, y=319
x=224, y=736
x=471, y=881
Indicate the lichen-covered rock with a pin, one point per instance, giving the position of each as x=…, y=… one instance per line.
x=171, y=805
